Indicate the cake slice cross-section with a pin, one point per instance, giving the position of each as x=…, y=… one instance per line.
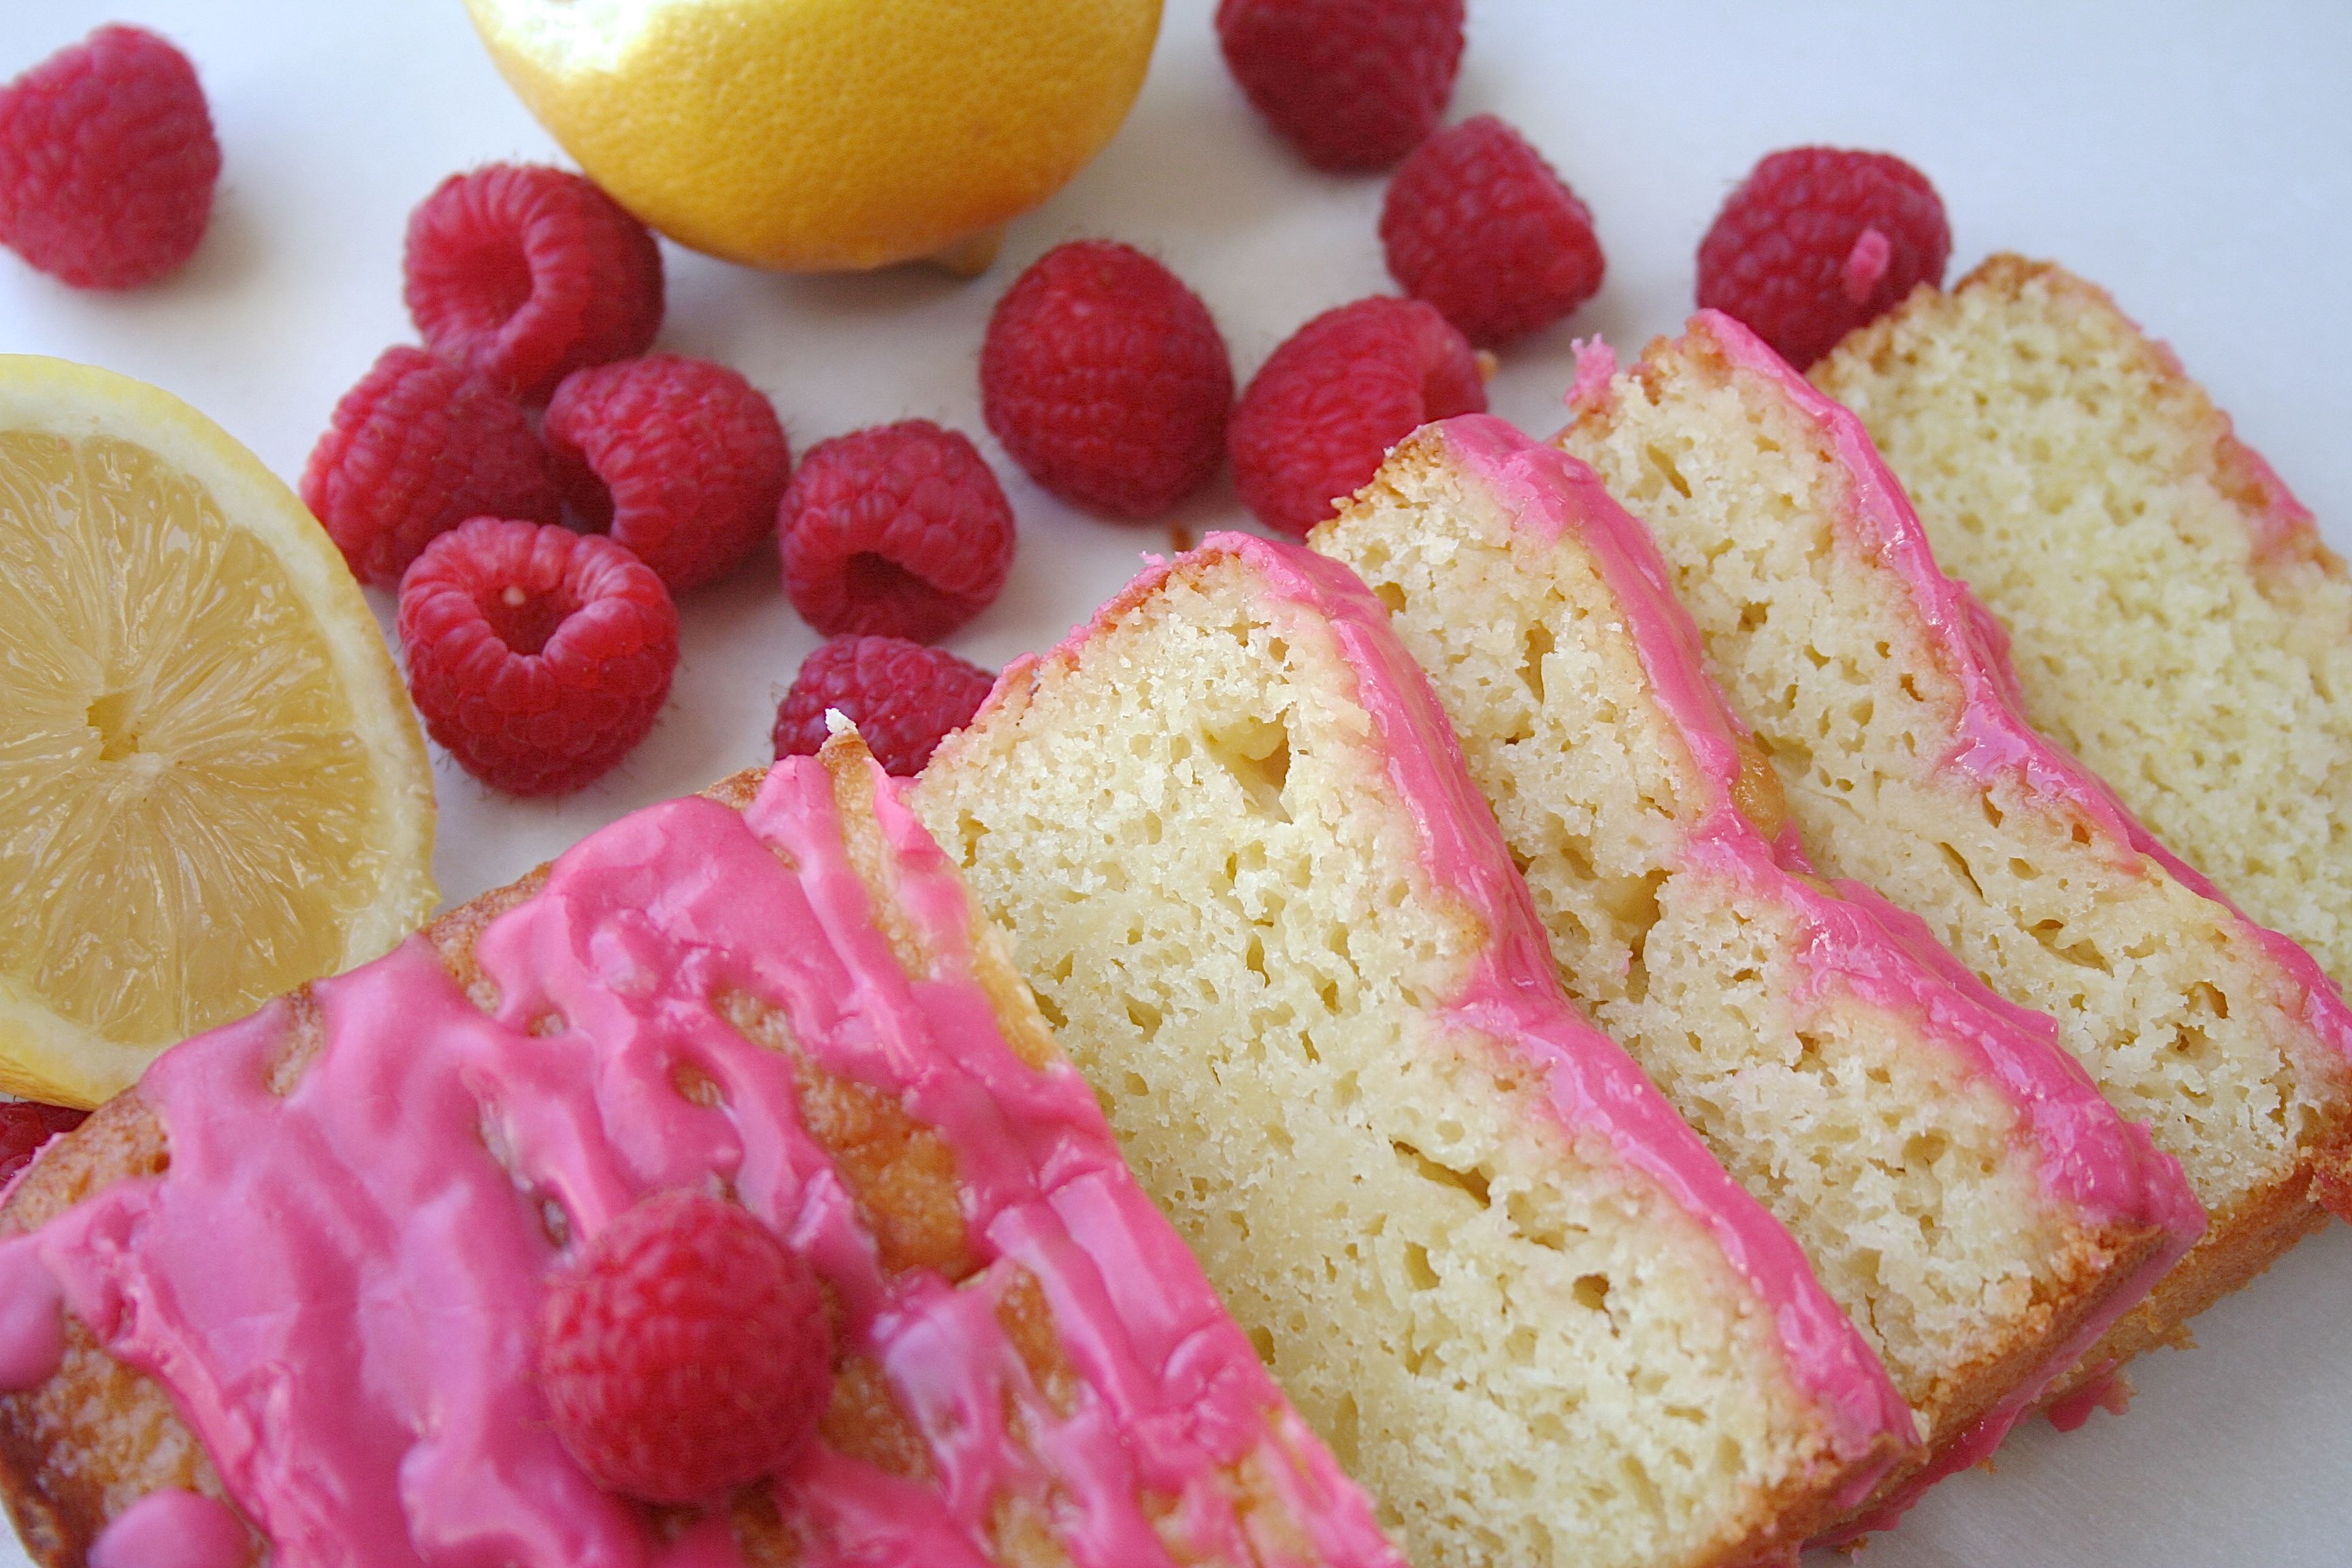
x=276, y=1303
x=1980, y=1211
x=1230, y=834
x=1883, y=693
x=2174, y=618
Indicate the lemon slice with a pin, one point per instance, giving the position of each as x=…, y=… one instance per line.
x=808, y=136
x=212, y=786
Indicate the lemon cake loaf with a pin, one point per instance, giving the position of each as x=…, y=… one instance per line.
x=791, y=1005
x=1882, y=692
x=1272, y=920
x=2174, y=619
x=1982, y=1214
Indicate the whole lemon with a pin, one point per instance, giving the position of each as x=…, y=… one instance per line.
x=812, y=135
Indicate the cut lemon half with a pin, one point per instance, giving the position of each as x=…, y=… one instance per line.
x=212, y=786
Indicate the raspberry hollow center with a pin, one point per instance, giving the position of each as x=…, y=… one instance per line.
x=523, y=620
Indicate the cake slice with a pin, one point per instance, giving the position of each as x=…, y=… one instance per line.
x=1980, y=1212
x=301, y=1261
x=2174, y=619
x=1230, y=834
x=1881, y=691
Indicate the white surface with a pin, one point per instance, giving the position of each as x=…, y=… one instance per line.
x=2196, y=165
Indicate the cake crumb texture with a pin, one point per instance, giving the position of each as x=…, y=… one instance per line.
x=1872, y=1128
x=1188, y=826
x=2173, y=618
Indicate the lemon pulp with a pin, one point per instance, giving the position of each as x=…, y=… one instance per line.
x=209, y=791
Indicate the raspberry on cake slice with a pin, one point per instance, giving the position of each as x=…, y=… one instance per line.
x=1882, y=692
x=715, y=1194
x=2173, y=618
x=1230, y=835
x=1961, y=1188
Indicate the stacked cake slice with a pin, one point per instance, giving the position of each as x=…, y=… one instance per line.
x=1980, y=1211
x=1882, y=693
x=1229, y=831
x=2173, y=618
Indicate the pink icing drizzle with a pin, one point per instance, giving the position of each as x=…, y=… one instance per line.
x=171, y=1529
x=360, y=1377
x=1514, y=999
x=1994, y=739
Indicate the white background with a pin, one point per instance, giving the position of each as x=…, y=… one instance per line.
x=2198, y=161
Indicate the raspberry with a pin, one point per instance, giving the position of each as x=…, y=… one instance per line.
x=687, y=1352
x=107, y=161
x=682, y=459
x=903, y=697
x=523, y=273
x=1817, y=241
x=899, y=531
x=1106, y=379
x=1478, y=225
x=1353, y=84
x=25, y=1127
x=537, y=656
x=1329, y=403
x=414, y=449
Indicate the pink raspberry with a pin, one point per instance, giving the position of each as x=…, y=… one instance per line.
x=25, y=1127
x=1353, y=84
x=1478, y=225
x=903, y=697
x=681, y=459
x=537, y=656
x=523, y=273
x=687, y=1352
x=107, y=161
x=1104, y=377
x=1818, y=241
x=1329, y=403
x=414, y=449
x=899, y=531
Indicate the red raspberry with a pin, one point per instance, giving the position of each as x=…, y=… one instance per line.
x=25, y=1127
x=682, y=459
x=537, y=656
x=523, y=273
x=899, y=531
x=1817, y=241
x=687, y=1352
x=903, y=697
x=414, y=449
x=1353, y=84
x=1328, y=404
x=107, y=161
x=1104, y=377
x=1478, y=225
